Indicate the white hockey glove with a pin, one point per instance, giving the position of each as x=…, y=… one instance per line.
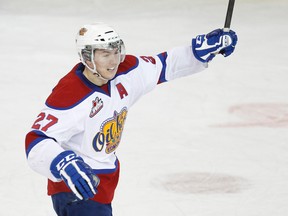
x=77, y=175
x=206, y=47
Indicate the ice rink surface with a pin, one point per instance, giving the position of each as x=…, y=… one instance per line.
x=212, y=144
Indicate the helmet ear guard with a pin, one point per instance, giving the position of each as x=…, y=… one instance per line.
x=86, y=54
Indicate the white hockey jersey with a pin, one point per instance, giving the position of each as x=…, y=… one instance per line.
x=89, y=119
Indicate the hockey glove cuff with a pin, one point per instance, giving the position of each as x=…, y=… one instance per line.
x=77, y=175
x=206, y=47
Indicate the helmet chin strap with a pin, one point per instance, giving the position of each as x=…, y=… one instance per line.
x=94, y=71
x=99, y=75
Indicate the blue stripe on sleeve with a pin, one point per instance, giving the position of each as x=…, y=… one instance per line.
x=162, y=57
x=34, y=138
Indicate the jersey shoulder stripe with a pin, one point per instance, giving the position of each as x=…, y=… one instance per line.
x=70, y=90
x=74, y=87
x=130, y=63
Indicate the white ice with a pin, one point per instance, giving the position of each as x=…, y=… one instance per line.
x=212, y=144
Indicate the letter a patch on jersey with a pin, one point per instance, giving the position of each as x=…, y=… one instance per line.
x=122, y=91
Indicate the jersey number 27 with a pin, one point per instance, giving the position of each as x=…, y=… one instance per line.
x=42, y=116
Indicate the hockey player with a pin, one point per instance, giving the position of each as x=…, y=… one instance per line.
x=74, y=138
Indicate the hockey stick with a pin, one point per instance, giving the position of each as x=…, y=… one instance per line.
x=229, y=15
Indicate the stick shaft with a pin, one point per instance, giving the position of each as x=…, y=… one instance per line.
x=229, y=14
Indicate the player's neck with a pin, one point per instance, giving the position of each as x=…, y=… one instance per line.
x=94, y=78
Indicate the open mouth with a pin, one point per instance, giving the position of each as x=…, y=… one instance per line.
x=111, y=69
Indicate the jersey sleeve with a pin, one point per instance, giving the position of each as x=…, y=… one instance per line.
x=51, y=130
x=180, y=62
x=166, y=66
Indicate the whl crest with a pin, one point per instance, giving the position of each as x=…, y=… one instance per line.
x=97, y=105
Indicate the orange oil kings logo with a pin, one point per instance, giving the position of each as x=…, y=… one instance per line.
x=110, y=133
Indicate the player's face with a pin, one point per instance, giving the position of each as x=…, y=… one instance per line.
x=107, y=62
